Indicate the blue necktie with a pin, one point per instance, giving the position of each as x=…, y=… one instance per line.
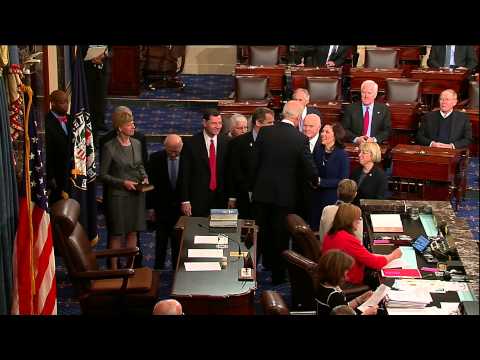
x=173, y=173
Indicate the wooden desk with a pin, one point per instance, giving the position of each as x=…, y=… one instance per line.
x=433, y=172
x=229, y=107
x=434, y=81
x=331, y=111
x=460, y=236
x=405, y=117
x=299, y=74
x=125, y=71
x=276, y=79
x=473, y=114
x=213, y=292
x=359, y=75
x=353, y=150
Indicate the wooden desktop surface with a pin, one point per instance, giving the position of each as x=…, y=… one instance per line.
x=213, y=292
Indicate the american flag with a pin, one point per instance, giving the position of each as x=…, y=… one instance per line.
x=34, y=290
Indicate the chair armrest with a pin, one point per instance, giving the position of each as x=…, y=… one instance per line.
x=104, y=274
x=117, y=252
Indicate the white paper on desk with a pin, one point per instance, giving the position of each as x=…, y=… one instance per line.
x=408, y=260
x=450, y=307
x=386, y=223
x=202, y=266
x=376, y=297
x=430, y=310
x=456, y=286
x=94, y=52
x=205, y=253
x=433, y=286
x=210, y=239
x=419, y=295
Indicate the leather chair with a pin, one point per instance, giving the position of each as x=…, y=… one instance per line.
x=303, y=279
x=263, y=55
x=161, y=66
x=403, y=91
x=101, y=292
x=273, y=303
x=304, y=239
x=324, y=89
x=250, y=88
x=381, y=58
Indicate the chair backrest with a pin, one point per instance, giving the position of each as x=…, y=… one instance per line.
x=251, y=88
x=381, y=58
x=70, y=237
x=304, y=238
x=473, y=95
x=263, y=55
x=303, y=279
x=403, y=90
x=273, y=304
x=323, y=88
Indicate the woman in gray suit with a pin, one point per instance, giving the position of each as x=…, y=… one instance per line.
x=121, y=170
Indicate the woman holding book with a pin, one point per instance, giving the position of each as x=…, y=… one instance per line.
x=331, y=271
x=341, y=236
x=122, y=172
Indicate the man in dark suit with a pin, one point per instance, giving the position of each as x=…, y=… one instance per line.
x=303, y=96
x=282, y=164
x=331, y=55
x=164, y=173
x=454, y=56
x=446, y=128
x=204, y=168
x=58, y=145
x=367, y=120
x=139, y=136
x=240, y=162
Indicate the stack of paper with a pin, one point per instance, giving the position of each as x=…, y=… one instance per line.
x=386, y=223
x=412, y=299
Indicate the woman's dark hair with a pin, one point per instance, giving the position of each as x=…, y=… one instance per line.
x=345, y=217
x=332, y=266
x=338, y=133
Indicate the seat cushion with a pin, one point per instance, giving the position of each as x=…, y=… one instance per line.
x=140, y=282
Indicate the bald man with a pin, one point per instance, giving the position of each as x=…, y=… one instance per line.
x=58, y=145
x=163, y=202
x=283, y=164
x=167, y=307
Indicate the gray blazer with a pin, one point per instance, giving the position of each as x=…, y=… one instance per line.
x=116, y=166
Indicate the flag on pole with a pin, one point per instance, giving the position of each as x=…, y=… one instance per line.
x=83, y=173
x=34, y=284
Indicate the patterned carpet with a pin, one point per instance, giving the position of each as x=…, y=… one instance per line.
x=184, y=117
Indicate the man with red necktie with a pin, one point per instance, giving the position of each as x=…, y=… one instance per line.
x=58, y=145
x=203, y=163
x=368, y=120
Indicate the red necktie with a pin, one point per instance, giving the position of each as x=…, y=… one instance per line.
x=62, y=119
x=366, y=121
x=213, y=167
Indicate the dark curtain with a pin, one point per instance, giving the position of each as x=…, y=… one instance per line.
x=8, y=203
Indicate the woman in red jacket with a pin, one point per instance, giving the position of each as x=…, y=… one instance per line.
x=341, y=236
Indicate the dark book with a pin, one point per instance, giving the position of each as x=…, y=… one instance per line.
x=144, y=187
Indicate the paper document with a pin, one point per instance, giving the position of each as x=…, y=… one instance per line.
x=202, y=266
x=94, y=52
x=429, y=224
x=433, y=286
x=210, y=239
x=408, y=260
x=450, y=307
x=205, y=253
x=376, y=297
x=431, y=310
x=386, y=223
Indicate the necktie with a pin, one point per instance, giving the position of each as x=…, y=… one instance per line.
x=366, y=121
x=332, y=53
x=213, y=167
x=448, y=54
x=62, y=119
x=173, y=173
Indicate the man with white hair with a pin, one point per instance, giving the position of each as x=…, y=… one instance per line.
x=303, y=96
x=238, y=125
x=163, y=202
x=368, y=120
x=283, y=163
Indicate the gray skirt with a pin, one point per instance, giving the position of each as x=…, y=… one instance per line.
x=126, y=213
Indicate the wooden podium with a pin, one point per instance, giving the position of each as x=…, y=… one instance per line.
x=426, y=173
x=276, y=79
